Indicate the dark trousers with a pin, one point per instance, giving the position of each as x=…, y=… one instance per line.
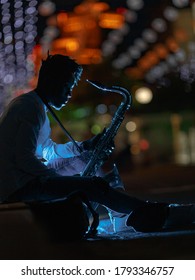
x=96, y=189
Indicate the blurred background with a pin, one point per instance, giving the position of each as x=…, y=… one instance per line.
x=147, y=47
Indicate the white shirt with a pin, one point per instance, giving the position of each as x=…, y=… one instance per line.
x=24, y=140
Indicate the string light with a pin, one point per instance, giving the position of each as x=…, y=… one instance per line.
x=159, y=25
x=18, y=20
x=170, y=13
x=135, y=4
x=115, y=37
x=180, y=3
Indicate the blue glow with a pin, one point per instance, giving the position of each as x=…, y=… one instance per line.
x=105, y=227
x=8, y=49
x=8, y=39
x=18, y=13
x=19, y=35
x=18, y=4
x=3, y=1
x=7, y=29
x=30, y=10
x=18, y=23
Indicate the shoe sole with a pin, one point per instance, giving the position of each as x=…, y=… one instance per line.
x=148, y=218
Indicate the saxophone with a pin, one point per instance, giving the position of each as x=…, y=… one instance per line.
x=103, y=146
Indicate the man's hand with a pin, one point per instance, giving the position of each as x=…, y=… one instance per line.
x=90, y=144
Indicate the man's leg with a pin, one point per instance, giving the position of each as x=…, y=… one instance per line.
x=96, y=189
x=149, y=216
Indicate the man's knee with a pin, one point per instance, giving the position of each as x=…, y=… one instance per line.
x=101, y=184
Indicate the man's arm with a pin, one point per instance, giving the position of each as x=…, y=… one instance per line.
x=52, y=150
x=30, y=120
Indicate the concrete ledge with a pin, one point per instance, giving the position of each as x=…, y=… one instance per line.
x=12, y=206
x=21, y=238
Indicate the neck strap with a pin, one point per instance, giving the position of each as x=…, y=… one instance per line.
x=61, y=125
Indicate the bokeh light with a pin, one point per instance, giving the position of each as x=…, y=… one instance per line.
x=143, y=95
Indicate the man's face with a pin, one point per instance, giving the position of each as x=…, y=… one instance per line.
x=62, y=94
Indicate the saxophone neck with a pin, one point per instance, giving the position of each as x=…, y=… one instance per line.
x=98, y=85
x=122, y=91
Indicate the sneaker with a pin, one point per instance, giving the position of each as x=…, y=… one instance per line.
x=119, y=224
x=148, y=218
x=180, y=215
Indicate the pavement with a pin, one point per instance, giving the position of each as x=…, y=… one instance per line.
x=21, y=238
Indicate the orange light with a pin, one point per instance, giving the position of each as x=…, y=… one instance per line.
x=152, y=57
x=111, y=20
x=90, y=56
x=100, y=7
x=73, y=24
x=161, y=51
x=181, y=35
x=37, y=57
x=62, y=19
x=81, y=9
x=94, y=7
x=148, y=60
x=72, y=45
x=90, y=24
x=144, y=64
x=52, y=21
x=172, y=44
x=134, y=72
x=68, y=44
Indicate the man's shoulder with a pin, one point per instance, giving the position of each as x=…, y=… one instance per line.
x=28, y=97
x=29, y=104
x=29, y=101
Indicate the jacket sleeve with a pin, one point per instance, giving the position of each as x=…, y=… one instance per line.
x=30, y=120
x=51, y=150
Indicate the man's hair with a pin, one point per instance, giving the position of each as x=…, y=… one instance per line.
x=59, y=68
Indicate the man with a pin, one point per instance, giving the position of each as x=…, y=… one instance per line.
x=25, y=141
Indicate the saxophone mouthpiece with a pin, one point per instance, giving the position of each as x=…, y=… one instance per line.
x=96, y=84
